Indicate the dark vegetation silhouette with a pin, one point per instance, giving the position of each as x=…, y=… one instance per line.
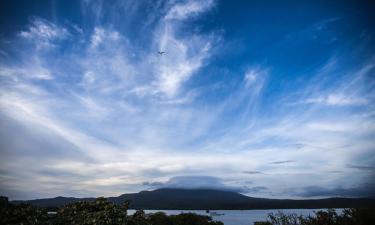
x=357, y=216
x=97, y=212
x=102, y=212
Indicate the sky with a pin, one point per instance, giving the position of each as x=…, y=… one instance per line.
x=267, y=98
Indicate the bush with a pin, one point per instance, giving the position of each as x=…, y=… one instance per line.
x=284, y=219
x=193, y=219
x=358, y=216
x=102, y=212
x=262, y=223
x=21, y=214
x=160, y=218
x=86, y=213
x=98, y=212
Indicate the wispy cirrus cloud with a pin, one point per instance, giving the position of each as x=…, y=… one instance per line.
x=105, y=70
x=338, y=100
x=96, y=108
x=184, y=56
x=188, y=9
x=43, y=33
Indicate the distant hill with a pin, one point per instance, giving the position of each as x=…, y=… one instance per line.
x=208, y=199
x=53, y=202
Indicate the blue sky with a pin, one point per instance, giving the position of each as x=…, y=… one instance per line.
x=268, y=98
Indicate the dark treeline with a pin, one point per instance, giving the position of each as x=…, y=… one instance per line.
x=97, y=212
x=357, y=216
x=102, y=212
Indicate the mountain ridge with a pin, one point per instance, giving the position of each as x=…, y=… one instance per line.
x=195, y=199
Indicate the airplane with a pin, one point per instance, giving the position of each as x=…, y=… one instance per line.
x=161, y=53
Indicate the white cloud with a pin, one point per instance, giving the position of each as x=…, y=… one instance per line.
x=183, y=57
x=340, y=126
x=97, y=37
x=43, y=33
x=129, y=115
x=173, y=72
x=188, y=8
x=254, y=78
x=107, y=83
x=88, y=78
x=338, y=100
x=348, y=90
x=101, y=35
x=33, y=69
x=251, y=77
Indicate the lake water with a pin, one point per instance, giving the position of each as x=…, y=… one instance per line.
x=239, y=217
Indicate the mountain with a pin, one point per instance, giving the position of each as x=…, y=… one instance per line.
x=53, y=202
x=208, y=199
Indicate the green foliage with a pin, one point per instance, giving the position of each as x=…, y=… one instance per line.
x=284, y=219
x=86, y=213
x=193, y=219
x=21, y=214
x=160, y=218
x=358, y=216
x=139, y=217
x=102, y=212
x=262, y=223
x=98, y=212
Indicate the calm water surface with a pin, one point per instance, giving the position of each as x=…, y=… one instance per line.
x=239, y=217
